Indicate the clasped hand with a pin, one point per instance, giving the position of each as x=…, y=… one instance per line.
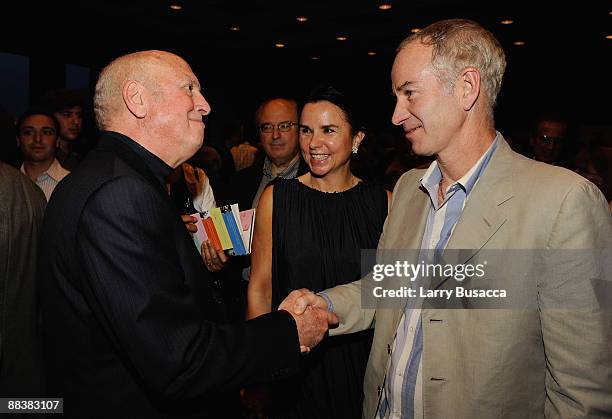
x=311, y=317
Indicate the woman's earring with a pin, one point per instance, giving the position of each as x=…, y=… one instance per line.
x=355, y=148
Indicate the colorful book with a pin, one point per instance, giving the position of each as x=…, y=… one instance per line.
x=199, y=236
x=211, y=231
x=224, y=237
x=226, y=228
x=247, y=222
x=236, y=212
x=233, y=230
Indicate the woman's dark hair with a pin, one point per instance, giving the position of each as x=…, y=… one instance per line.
x=333, y=95
x=36, y=111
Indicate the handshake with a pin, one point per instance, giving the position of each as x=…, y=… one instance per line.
x=311, y=316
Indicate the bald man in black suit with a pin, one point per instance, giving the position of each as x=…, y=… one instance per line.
x=132, y=324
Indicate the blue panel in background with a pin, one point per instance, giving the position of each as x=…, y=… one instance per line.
x=14, y=82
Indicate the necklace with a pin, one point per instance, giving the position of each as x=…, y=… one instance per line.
x=352, y=183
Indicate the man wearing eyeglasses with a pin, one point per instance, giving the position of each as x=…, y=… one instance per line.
x=548, y=139
x=276, y=120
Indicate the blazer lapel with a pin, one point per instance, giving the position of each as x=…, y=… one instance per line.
x=484, y=213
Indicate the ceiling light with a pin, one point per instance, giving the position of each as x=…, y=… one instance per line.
x=279, y=45
x=176, y=6
x=385, y=6
x=415, y=30
x=341, y=38
x=301, y=18
x=507, y=22
x=371, y=53
x=234, y=28
x=519, y=43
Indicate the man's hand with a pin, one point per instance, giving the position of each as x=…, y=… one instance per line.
x=312, y=322
x=190, y=223
x=214, y=259
x=298, y=300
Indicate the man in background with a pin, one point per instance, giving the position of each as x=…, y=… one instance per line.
x=549, y=140
x=276, y=121
x=67, y=106
x=38, y=138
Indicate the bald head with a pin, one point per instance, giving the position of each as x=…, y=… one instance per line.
x=139, y=66
x=281, y=147
x=153, y=98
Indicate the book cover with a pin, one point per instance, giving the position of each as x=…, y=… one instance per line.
x=217, y=218
x=247, y=221
x=238, y=217
x=199, y=236
x=234, y=232
x=211, y=231
x=236, y=213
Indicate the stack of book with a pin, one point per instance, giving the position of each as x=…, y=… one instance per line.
x=227, y=228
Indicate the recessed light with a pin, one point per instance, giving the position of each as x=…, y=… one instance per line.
x=234, y=28
x=371, y=53
x=507, y=22
x=176, y=6
x=519, y=43
x=385, y=6
x=415, y=30
x=279, y=45
x=341, y=38
x=301, y=18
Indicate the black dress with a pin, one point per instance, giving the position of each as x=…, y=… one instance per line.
x=317, y=240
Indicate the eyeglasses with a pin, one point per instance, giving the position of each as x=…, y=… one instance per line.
x=282, y=126
x=548, y=139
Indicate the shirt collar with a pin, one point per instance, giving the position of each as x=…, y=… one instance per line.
x=432, y=177
x=55, y=171
x=289, y=173
x=158, y=167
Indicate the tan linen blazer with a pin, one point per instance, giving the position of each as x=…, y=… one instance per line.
x=509, y=363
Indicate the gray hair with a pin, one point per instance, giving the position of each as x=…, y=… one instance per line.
x=108, y=97
x=458, y=44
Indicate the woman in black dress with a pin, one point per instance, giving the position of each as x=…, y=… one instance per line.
x=309, y=233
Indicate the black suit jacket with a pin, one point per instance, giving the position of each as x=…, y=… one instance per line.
x=132, y=325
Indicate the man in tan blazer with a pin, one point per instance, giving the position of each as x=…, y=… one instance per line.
x=547, y=355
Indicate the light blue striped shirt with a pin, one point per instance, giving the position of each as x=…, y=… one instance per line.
x=402, y=396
